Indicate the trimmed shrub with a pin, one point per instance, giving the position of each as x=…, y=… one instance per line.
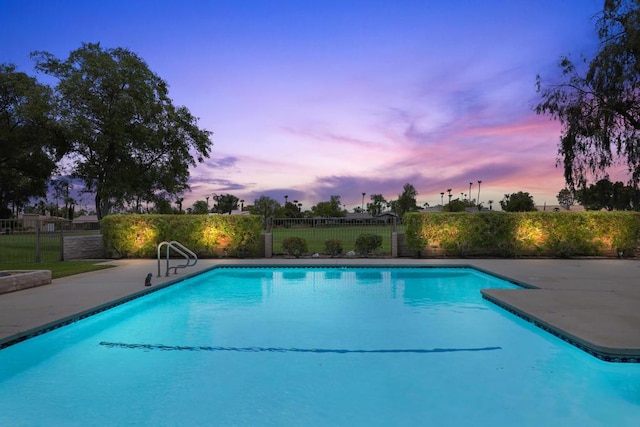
x=514, y=234
x=138, y=236
x=295, y=246
x=367, y=243
x=333, y=247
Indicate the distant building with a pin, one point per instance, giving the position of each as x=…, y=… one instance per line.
x=358, y=215
x=387, y=217
x=560, y=208
x=84, y=219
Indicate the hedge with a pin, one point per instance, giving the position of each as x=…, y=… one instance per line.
x=138, y=236
x=546, y=234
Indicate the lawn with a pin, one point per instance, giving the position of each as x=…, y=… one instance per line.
x=20, y=247
x=18, y=251
x=317, y=236
x=23, y=247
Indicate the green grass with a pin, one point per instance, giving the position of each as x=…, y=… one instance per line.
x=58, y=268
x=22, y=247
x=317, y=236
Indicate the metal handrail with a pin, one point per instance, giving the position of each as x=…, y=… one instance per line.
x=182, y=250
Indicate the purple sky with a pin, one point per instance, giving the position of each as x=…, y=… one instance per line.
x=314, y=98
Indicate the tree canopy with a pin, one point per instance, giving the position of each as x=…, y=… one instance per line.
x=30, y=141
x=407, y=200
x=265, y=206
x=377, y=205
x=608, y=195
x=330, y=209
x=456, y=205
x=127, y=139
x=226, y=203
x=518, y=202
x=598, y=103
x=565, y=198
x=199, y=207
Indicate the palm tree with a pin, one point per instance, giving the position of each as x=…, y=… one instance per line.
x=479, y=182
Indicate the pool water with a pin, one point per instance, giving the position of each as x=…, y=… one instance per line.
x=313, y=347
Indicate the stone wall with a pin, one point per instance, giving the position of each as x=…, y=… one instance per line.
x=15, y=280
x=83, y=247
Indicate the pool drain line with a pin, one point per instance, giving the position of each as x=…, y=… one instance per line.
x=163, y=347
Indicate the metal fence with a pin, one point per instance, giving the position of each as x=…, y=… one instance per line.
x=35, y=239
x=317, y=231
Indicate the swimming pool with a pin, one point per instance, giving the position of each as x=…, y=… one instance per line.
x=310, y=346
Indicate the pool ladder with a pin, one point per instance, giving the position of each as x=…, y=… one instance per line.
x=178, y=247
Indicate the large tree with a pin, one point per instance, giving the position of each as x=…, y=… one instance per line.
x=226, y=203
x=608, y=195
x=518, y=202
x=377, y=205
x=407, y=200
x=598, y=102
x=128, y=140
x=566, y=198
x=331, y=209
x=199, y=207
x=30, y=140
x=265, y=206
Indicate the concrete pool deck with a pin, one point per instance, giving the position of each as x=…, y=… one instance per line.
x=593, y=303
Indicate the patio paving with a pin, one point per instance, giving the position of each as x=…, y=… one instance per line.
x=594, y=303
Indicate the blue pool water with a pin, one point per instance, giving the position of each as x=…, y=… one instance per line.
x=313, y=347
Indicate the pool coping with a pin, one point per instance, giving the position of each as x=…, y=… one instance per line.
x=505, y=299
x=603, y=352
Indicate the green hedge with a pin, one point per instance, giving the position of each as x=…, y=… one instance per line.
x=554, y=234
x=138, y=236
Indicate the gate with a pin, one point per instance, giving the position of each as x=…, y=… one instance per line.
x=317, y=231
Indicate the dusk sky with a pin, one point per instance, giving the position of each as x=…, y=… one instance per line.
x=314, y=98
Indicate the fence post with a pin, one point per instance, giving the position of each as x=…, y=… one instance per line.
x=61, y=241
x=394, y=244
x=38, y=258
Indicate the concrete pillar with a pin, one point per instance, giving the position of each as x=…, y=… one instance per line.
x=394, y=244
x=268, y=245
